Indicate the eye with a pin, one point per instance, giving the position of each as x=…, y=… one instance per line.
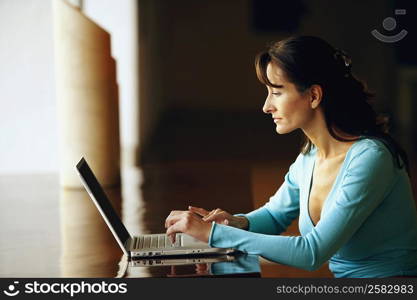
x=276, y=94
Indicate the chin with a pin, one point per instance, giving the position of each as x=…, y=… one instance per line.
x=283, y=130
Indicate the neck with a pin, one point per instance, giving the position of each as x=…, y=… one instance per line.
x=327, y=146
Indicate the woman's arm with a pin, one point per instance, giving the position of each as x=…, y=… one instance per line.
x=369, y=177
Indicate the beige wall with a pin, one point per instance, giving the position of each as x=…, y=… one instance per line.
x=28, y=135
x=120, y=19
x=28, y=117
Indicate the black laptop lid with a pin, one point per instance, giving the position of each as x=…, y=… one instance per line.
x=103, y=204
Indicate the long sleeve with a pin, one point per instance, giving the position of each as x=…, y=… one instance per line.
x=283, y=207
x=369, y=176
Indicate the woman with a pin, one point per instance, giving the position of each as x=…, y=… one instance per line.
x=349, y=186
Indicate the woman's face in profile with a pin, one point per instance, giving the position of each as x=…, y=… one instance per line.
x=289, y=108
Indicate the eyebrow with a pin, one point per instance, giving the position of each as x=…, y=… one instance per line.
x=277, y=86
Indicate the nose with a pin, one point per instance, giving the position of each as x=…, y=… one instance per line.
x=268, y=108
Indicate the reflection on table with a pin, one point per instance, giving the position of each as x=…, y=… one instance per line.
x=241, y=265
x=67, y=236
x=88, y=248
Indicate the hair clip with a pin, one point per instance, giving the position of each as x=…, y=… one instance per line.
x=340, y=54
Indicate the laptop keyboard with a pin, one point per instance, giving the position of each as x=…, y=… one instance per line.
x=155, y=241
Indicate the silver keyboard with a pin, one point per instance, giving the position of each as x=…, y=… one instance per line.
x=155, y=241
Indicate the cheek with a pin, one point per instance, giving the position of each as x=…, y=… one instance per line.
x=295, y=111
x=291, y=106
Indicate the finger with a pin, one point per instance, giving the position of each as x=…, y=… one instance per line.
x=171, y=235
x=172, y=238
x=184, y=223
x=173, y=229
x=212, y=214
x=174, y=219
x=172, y=213
x=198, y=210
x=219, y=217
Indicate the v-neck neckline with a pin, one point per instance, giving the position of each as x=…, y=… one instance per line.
x=334, y=183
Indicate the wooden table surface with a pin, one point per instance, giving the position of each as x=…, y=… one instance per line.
x=49, y=231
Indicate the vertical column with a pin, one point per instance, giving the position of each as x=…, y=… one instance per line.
x=87, y=96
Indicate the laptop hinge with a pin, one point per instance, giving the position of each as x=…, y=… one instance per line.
x=127, y=247
x=129, y=243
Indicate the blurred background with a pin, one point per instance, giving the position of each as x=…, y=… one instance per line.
x=191, y=126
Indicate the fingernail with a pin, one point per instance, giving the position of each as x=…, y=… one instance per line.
x=226, y=222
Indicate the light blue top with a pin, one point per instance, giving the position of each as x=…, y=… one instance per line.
x=368, y=223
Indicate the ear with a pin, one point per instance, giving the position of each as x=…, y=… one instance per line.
x=316, y=94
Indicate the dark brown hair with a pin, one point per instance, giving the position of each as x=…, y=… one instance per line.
x=346, y=101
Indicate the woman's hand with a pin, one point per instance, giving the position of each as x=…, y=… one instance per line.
x=189, y=223
x=221, y=217
x=197, y=222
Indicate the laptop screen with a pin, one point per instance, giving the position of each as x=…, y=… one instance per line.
x=102, y=202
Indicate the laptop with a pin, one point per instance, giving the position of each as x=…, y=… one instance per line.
x=180, y=261
x=148, y=245
x=179, y=266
